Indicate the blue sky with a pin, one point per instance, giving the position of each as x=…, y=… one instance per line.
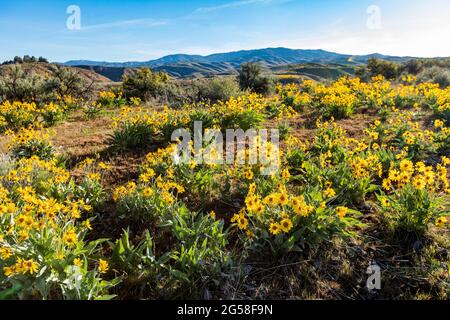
x=137, y=30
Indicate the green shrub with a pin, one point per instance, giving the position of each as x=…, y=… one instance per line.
x=28, y=143
x=42, y=149
x=435, y=74
x=200, y=254
x=247, y=119
x=140, y=203
x=412, y=210
x=23, y=83
x=284, y=130
x=252, y=77
x=191, y=256
x=93, y=110
x=52, y=114
x=219, y=89
x=92, y=191
x=132, y=136
x=111, y=99
x=19, y=84
x=138, y=260
x=389, y=70
x=144, y=84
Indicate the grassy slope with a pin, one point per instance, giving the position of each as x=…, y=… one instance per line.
x=336, y=272
x=316, y=71
x=44, y=68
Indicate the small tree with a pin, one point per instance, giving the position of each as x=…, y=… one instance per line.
x=144, y=84
x=375, y=67
x=389, y=70
x=253, y=78
x=435, y=74
x=17, y=83
x=414, y=66
x=218, y=89
x=23, y=83
x=18, y=59
x=67, y=82
x=42, y=60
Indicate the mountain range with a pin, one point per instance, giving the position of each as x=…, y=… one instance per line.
x=184, y=65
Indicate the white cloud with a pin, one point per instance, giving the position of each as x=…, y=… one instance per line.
x=425, y=35
x=229, y=5
x=127, y=23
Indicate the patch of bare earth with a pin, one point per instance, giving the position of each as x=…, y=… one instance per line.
x=82, y=138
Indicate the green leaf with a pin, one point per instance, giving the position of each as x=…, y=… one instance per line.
x=8, y=293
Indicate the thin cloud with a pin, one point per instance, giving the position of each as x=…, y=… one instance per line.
x=127, y=23
x=229, y=5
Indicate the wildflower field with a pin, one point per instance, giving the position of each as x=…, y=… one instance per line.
x=93, y=205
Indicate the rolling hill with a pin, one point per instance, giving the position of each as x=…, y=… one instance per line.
x=46, y=69
x=314, y=71
x=269, y=57
x=183, y=65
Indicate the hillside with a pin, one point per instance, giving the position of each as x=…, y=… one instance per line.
x=111, y=73
x=315, y=71
x=183, y=65
x=270, y=57
x=45, y=69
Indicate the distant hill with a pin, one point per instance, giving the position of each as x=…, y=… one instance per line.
x=45, y=69
x=112, y=73
x=184, y=65
x=269, y=56
x=315, y=71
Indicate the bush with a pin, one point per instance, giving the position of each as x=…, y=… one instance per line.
x=293, y=97
x=22, y=83
x=66, y=81
x=252, y=77
x=111, y=99
x=17, y=115
x=142, y=203
x=414, y=66
x=244, y=112
x=144, y=84
x=44, y=250
x=52, y=114
x=284, y=130
x=28, y=143
x=219, y=89
x=19, y=84
x=376, y=67
x=435, y=74
x=279, y=222
x=200, y=255
x=179, y=93
x=91, y=190
x=192, y=261
x=132, y=136
x=338, y=100
x=413, y=197
x=93, y=110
